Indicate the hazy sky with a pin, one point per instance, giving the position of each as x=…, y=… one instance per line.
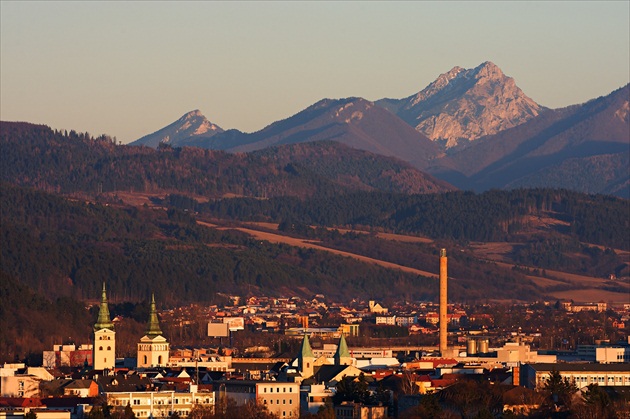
x=130, y=68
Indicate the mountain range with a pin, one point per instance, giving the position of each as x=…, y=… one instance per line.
x=473, y=128
x=583, y=148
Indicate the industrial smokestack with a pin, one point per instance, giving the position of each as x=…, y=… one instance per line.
x=443, y=302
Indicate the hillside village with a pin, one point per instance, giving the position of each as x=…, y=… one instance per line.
x=325, y=368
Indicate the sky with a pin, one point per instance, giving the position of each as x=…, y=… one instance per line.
x=127, y=69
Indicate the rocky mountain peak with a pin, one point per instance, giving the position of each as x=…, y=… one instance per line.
x=488, y=70
x=465, y=104
x=193, y=114
x=441, y=83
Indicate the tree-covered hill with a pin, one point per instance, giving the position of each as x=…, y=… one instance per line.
x=139, y=251
x=463, y=216
x=71, y=162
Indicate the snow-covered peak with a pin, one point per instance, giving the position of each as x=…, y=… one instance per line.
x=191, y=124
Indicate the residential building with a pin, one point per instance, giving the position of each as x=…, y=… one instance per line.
x=20, y=385
x=11, y=369
x=153, y=404
x=612, y=354
x=386, y=320
x=68, y=356
x=604, y=354
x=280, y=398
x=81, y=388
x=406, y=320
x=534, y=375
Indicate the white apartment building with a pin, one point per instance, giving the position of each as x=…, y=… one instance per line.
x=386, y=320
x=153, y=404
x=534, y=375
x=612, y=354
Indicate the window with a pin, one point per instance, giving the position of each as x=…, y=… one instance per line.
x=290, y=389
x=290, y=401
x=284, y=389
x=145, y=359
x=100, y=348
x=109, y=348
x=284, y=402
x=160, y=359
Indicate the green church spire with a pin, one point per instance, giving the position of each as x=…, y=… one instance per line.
x=342, y=350
x=153, y=327
x=104, y=321
x=305, y=350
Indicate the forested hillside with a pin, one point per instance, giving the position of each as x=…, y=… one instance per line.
x=139, y=251
x=462, y=216
x=71, y=162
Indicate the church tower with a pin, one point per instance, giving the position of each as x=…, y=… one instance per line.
x=342, y=355
x=153, y=349
x=306, y=358
x=104, y=349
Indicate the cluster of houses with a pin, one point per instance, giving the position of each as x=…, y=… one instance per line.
x=164, y=382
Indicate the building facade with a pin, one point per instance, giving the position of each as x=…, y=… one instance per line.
x=534, y=375
x=154, y=404
x=280, y=398
x=153, y=348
